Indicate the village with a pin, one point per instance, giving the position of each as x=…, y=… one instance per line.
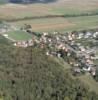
x=79, y=49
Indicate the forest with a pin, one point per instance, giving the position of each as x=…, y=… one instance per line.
x=28, y=74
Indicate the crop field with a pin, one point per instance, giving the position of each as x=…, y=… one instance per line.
x=19, y=35
x=61, y=24
x=12, y=11
x=58, y=7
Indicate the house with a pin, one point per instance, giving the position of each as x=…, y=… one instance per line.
x=87, y=68
x=77, y=70
x=47, y=53
x=93, y=71
x=94, y=58
x=80, y=36
x=89, y=34
x=70, y=37
x=45, y=34
x=82, y=48
x=95, y=34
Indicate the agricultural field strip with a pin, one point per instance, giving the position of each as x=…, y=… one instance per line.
x=61, y=24
x=59, y=7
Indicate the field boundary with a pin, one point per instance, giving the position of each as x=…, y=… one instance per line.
x=50, y=16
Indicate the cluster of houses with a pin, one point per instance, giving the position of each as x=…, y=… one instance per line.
x=25, y=43
x=65, y=45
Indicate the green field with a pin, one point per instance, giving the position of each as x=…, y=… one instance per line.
x=19, y=35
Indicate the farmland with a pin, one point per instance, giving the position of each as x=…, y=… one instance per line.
x=65, y=7
x=58, y=7
x=61, y=24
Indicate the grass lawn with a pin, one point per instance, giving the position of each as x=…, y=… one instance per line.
x=88, y=80
x=19, y=35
